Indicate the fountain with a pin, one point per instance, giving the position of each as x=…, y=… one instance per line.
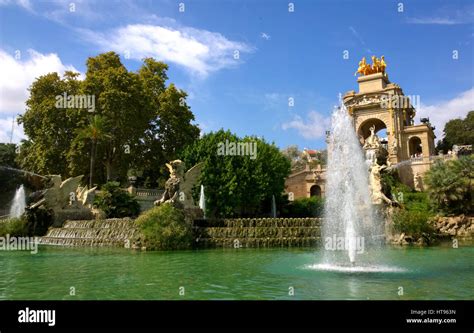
x=350, y=230
x=19, y=203
x=274, y=210
x=202, y=201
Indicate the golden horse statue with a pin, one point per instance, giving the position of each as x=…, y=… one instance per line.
x=378, y=66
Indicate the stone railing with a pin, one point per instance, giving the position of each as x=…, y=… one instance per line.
x=145, y=196
x=428, y=159
x=148, y=192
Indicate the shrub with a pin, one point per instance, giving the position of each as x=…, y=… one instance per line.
x=305, y=207
x=164, y=228
x=416, y=201
x=414, y=223
x=16, y=226
x=115, y=202
x=450, y=185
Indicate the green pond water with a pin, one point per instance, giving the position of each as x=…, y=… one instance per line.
x=256, y=274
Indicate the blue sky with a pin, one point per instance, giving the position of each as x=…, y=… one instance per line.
x=282, y=55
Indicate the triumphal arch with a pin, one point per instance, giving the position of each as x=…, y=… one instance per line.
x=383, y=105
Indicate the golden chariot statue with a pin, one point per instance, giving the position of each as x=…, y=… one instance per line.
x=378, y=66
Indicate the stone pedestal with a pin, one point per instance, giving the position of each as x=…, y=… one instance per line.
x=372, y=82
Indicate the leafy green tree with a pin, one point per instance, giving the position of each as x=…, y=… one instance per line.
x=50, y=130
x=143, y=122
x=304, y=207
x=457, y=132
x=120, y=103
x=451, y=185
x=238, y=185
x=94, y=132
x=7, y=155
x=171, y=128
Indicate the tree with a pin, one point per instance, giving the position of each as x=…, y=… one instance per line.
x=123, y=108
x=50, y=130
x=451, y=184
x=143, y=122
x=236, y=184
x=94, y=132
x=7, y=155
x=171, y=129
x=457, y=132
x=294, y=156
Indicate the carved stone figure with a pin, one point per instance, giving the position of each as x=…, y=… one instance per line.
x=375, y=183
x=418, y=182
x=178, y=188
x=86, y=196
x=372, y=142
x=394, y=146
x=60, y=194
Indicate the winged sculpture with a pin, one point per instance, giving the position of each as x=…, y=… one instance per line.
x=178, y=188
x=66, y=194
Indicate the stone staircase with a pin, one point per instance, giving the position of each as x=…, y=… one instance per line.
x=97, y=233
x=258, y=232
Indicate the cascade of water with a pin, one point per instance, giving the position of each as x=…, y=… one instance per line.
x=202, y=201
x=274, y=210
x=349, y=222
x=19, y=203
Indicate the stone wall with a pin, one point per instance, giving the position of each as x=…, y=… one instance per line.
x=96, y=233
x=230, y=233
x=257, y=232
x=460, y=226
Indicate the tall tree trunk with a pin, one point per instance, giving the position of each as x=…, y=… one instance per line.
x=91, y=171
x=108, y=169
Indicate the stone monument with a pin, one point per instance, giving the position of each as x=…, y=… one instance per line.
x=178, y=188
x=380, y=104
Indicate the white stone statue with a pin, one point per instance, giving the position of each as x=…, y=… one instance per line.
x=372, y=141
x=178, y=188
x=375, y=183
x=66, y=194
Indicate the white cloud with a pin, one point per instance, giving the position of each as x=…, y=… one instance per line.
x=199, y=51
x=433, y=20
x=17, y=75
x=460, y=15
x=313, y=128
x=442, y=112
x=25, y=4
x=6, y=130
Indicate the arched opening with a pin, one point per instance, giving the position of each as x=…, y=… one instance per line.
x=315, y=191
x=415, y=147
x=364, y=129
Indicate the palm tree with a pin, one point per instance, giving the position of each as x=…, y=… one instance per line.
x=450, y=184
x=95, y=132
